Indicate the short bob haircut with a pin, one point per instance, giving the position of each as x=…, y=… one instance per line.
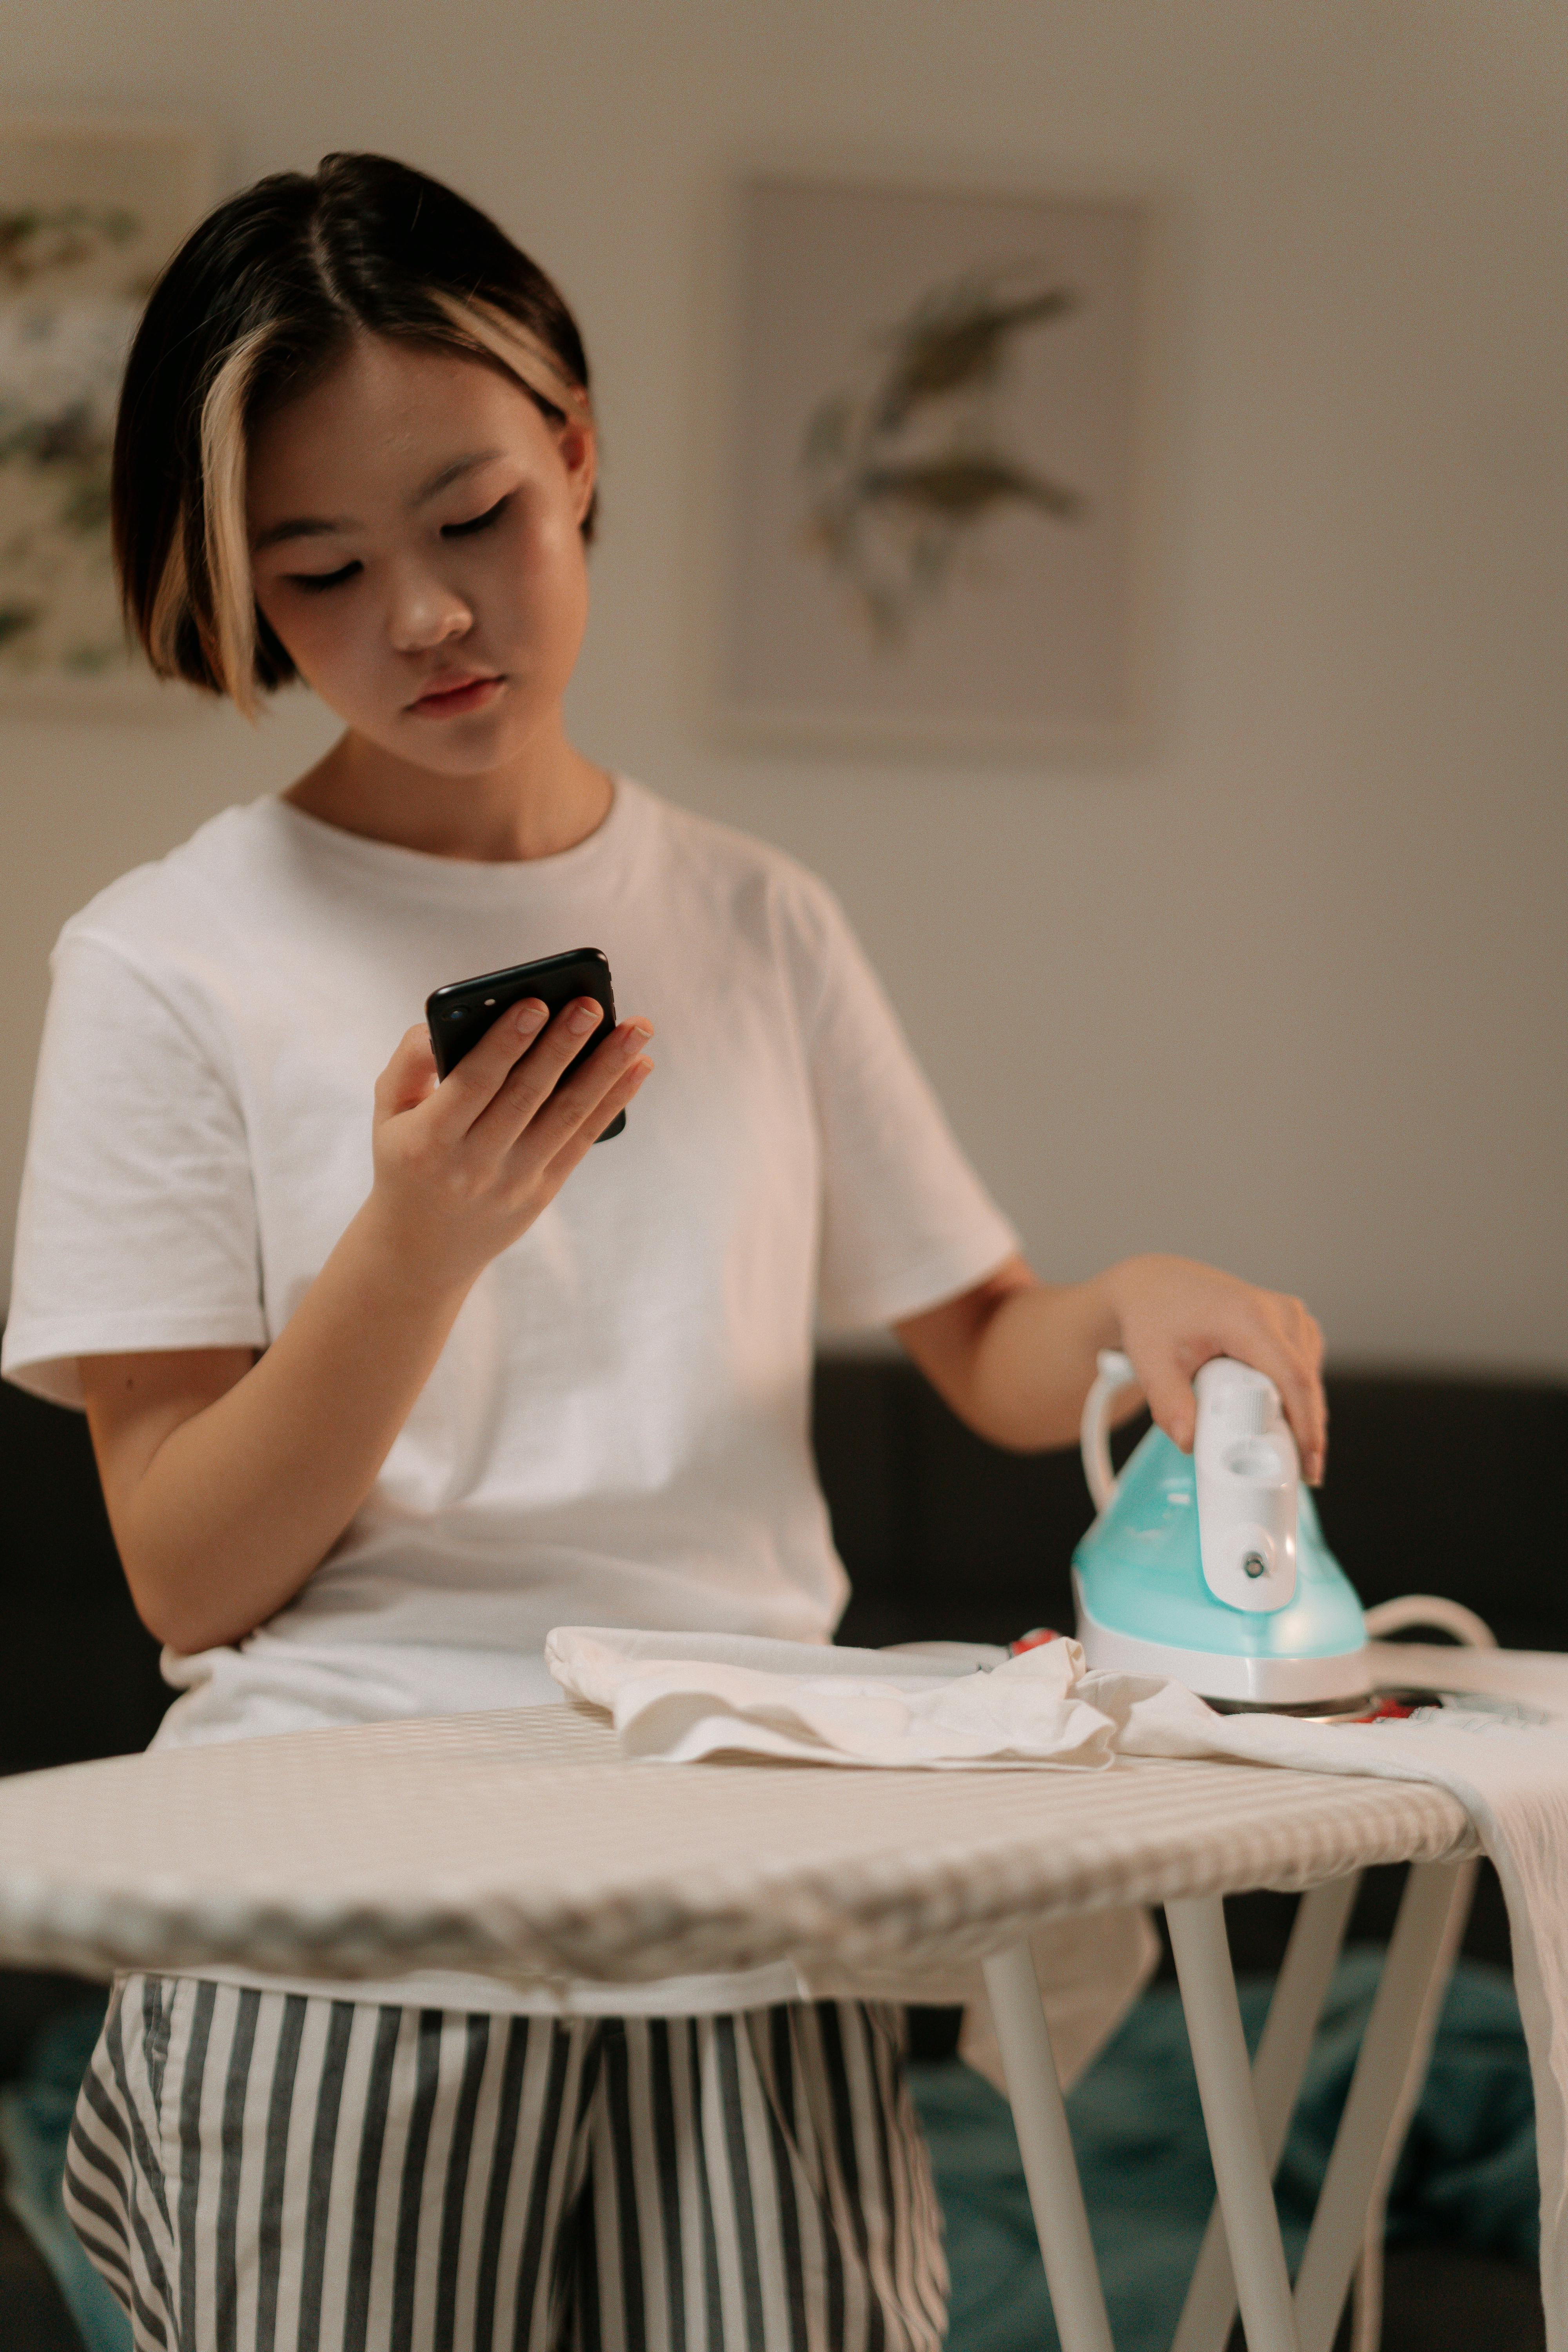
x=256, y=305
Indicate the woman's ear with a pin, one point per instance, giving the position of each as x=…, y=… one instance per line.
x=578, y=443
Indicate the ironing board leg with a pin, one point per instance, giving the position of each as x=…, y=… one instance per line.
x=1045, y=2147
x=1243, y=2174
x=1404, y=2013
x=1366, y=2334
x=1316, y=1936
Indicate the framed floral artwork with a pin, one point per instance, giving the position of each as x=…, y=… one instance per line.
x=937, y=531
x=88, y=214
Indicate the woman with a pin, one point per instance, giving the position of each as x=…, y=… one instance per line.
x=387, y=1377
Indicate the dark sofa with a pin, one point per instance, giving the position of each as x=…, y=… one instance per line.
x=1439, y=1484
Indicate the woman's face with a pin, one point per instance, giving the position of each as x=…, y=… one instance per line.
x=416, y=541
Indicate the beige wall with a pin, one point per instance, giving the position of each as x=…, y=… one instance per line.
x=1289, y=994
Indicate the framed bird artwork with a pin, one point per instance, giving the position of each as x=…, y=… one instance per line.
x=940, y=531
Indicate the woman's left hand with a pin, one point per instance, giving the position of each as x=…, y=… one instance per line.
x=1173, y=1315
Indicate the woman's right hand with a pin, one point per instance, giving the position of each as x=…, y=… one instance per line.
x=464, y=1165
x=228, y=1480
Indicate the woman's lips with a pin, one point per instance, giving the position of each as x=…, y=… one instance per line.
x=442, y=701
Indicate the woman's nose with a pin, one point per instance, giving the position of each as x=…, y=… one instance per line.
x=425, y=612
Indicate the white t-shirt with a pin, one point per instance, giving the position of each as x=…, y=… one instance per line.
x=617, y=1432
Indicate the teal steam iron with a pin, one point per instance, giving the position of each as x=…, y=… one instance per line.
x=1210, y=1569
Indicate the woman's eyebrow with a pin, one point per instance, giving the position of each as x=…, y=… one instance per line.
x=319, y=526
x=299, y=526
x=447, y=475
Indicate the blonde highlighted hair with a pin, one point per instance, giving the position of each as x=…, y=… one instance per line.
x=252, y=310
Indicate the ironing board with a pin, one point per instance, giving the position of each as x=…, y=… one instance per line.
x=522, y=1845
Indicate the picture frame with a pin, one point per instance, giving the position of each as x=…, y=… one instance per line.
x=91, y=209
x=942, y=527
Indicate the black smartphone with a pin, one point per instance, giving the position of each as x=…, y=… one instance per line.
x=461, y=1013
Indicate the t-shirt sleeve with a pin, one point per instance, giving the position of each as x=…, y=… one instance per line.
x=137, y=1227
x=906, y=1221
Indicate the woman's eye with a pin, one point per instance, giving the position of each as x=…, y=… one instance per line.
x=477, y=523
x=313, y=582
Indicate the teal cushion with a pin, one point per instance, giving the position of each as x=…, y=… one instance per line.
x=35, y=2120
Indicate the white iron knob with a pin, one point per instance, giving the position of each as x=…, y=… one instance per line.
x=1248, y=1482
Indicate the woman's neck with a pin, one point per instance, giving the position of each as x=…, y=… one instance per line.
x=532, y=809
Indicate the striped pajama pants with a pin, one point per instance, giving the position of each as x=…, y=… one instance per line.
x=267, y=2173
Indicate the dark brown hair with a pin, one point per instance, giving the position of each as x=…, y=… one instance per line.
x=255, y=305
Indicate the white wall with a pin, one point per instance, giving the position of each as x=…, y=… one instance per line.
x=1292, y=993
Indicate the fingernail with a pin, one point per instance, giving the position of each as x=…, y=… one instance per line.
x=581, y=1019
x=527, y=1016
